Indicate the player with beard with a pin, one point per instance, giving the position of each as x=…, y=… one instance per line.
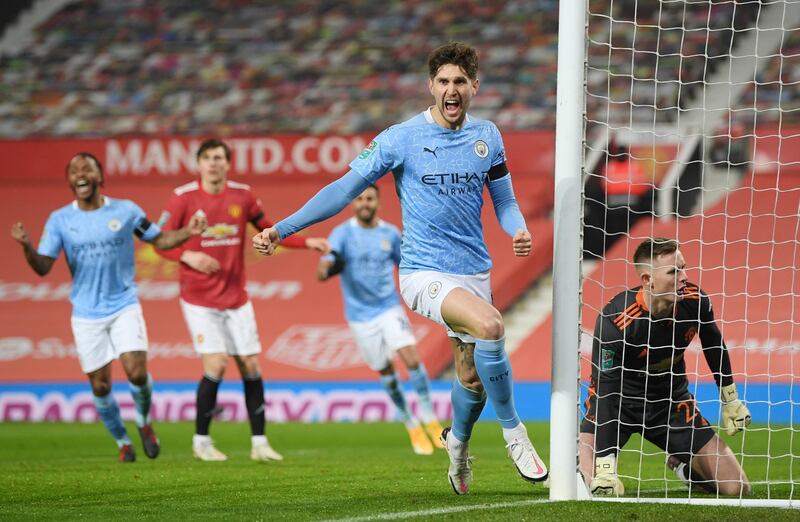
x=639, y=382
x=96, y=234
x=442, y=159
x=365, y=250
x=214, y=300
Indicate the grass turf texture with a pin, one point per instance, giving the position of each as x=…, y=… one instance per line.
x=331, y=471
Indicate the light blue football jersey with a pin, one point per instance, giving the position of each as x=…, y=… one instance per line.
x=98, y=246
x=370, y=255
x=439, y=176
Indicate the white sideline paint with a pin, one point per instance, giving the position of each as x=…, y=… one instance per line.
x=441, y=511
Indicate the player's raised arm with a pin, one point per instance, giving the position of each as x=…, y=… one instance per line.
x=167, y=239
x=39, y=263
x=507, y=210
x=327, y=202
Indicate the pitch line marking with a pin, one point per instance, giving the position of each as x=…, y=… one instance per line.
x=440, y=511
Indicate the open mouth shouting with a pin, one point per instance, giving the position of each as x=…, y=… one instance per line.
x=83, y=188
x=452, y=108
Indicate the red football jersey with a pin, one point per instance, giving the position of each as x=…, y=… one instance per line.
x=228, y=214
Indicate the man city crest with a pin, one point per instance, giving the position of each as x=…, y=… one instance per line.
x=481, y=149
x=114, y=225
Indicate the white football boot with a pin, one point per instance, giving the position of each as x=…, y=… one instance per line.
x=264, y=452
x=460, y=471
x=205, y=451
x=520, y=448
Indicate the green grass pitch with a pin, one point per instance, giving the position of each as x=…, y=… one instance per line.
x=331, y=472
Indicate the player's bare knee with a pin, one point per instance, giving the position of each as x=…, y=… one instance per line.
x=409, y=357
x=138, y=376
x=248, y=366
x=136, y=371
x=734, y=488
x=215, y=368
x=490, y=326
x=101, y=388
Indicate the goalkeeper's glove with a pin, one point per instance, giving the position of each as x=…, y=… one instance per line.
x=735, y=415
x=606, y=482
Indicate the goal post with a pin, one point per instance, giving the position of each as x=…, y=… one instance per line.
x=702, y=99
x=567, y=250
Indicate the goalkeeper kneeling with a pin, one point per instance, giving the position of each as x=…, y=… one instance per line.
x=639, y=382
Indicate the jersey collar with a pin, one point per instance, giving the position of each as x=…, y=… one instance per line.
x=106, y=202
x=640, y=300
x=354, y=223
x=429, y=117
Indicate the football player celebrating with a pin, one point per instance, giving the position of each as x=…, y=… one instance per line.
x=442, y=159
x=96, y=234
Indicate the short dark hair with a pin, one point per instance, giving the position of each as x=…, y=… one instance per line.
x=655, y=247
x=374, y=186
x=455, y=53
x=86, y=155
x=213, y=143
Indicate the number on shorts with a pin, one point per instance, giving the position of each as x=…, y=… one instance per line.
x=690, y=410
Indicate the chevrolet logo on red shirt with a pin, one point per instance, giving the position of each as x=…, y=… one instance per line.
x=221, y=230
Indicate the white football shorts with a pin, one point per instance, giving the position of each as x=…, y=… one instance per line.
x=100, y=341
x=378, y=339
x=424, y=293
x=232, y=331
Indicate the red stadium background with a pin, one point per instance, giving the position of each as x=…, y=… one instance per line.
x=301, y=321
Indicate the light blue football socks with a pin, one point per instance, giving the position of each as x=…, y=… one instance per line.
x=494, y=369
x=392, y=386
x=142, y=396
x=108, y=410
x=467, y=407
x=422, y=387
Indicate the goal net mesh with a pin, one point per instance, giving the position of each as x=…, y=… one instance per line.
x=692, y=132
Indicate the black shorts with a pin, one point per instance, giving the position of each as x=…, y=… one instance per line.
x=674, y=425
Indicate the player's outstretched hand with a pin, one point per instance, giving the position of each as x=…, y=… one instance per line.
x=522, y=243
x=266, y=241
x=197, y=223
x=320, y=244
x=19, y=233
x=200, y=261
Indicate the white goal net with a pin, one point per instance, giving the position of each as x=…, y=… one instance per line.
x=691, y=131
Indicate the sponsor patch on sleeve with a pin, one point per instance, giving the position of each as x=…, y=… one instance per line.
x=368, y=150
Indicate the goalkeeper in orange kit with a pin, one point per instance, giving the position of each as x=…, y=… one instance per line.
x=639, y=382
